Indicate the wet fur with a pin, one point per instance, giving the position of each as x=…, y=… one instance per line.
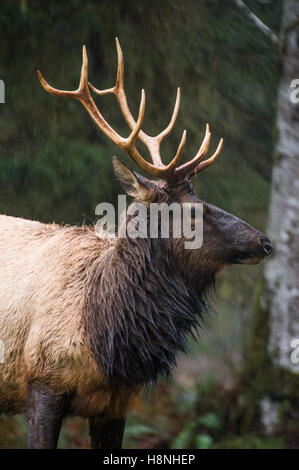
x=140, y=310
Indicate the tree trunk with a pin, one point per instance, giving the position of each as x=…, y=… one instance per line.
x=282, y=269
x=272, y=377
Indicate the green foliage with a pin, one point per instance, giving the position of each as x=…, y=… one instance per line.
x=203, y=441
x=210, y=421
x=182, y=440
x=213, y=420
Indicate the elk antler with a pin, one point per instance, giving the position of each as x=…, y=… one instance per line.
x=194, y=166
x=157, y=168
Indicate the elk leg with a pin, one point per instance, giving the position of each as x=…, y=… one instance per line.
x=45, y=412
x=106, y=433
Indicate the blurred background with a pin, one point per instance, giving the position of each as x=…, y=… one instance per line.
x=235, y=61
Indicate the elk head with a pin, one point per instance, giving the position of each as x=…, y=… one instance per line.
x=226, y=239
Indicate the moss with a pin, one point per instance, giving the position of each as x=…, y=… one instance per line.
x=261, y=377
x=257, y=368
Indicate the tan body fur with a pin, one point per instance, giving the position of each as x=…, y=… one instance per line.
x=43, y=275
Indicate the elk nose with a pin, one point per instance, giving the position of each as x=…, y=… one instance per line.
x=267, y=246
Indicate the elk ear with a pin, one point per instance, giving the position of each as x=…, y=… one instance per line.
x=134, y=184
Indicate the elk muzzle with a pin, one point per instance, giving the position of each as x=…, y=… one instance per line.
x=253, y=247
x=234, y=240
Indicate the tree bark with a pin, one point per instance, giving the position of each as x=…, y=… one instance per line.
x=282, y=269
x=272, y=375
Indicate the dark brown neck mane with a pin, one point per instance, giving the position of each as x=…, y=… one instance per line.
x=140, y=310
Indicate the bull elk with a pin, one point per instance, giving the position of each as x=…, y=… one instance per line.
x=86, y=321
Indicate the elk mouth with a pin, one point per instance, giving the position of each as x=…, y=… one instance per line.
x=249, y=258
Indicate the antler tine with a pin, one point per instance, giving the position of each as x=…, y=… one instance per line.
x=151, y=142
x=67, y=93
x=84, y=71
x=207, y=162
x=83, y=95
x=196, y=165
x=179, y=153
x=118, y=90
x=200, y=154
x=52, y=90
x=134, y=134
x=173, y=119
x=203, y=149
